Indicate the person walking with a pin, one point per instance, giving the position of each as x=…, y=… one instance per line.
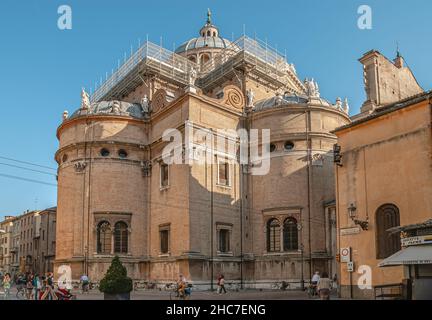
x=218, y=289
x=7, y=285
x=29, y=286
x=222, y=284
x=324, y=286
x=36, y=286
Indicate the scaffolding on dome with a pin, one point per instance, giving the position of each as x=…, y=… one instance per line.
x=150, y=58
x=265, y=59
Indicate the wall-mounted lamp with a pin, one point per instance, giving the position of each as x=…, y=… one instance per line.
x=352, y=211
x=337, y=157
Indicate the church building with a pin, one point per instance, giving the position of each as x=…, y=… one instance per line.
x=117, y=195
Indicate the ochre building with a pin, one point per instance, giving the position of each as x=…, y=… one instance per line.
x=117, y=195
x=383, y=176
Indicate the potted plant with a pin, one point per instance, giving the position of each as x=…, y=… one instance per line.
x=116, y=285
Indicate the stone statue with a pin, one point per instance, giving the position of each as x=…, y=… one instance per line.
x=145, y=104
x=146, y=167
x=250, y=98
x=338, y=104
x=85, y=100
x=279, y=99
x=312, y=88
x=192, y=77
x=80, y=166
x=115, y=108
x=345, y=106
x=65, y=115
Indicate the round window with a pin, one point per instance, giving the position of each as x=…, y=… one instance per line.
x=104, y=152
x=289, y=145
x=122, y=154
x=272, y=147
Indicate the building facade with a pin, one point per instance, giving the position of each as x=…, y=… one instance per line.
x=6, y=227
x=212, y=213
x=44, y=242
x=28, y=241
x=383, y=173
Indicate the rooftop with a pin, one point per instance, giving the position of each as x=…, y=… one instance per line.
x=389, y=109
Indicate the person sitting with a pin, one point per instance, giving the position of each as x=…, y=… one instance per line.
x=181, y=286
x=314, y=281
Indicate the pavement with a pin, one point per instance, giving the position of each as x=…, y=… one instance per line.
x=198, y=295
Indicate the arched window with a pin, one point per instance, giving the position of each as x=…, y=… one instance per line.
x=121, y=237
x=208, y=33
x=273, y=236
x=104, y=237
x=387, y=216
x=204, y=59
x=290, y=234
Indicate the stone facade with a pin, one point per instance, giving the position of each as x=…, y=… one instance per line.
x=116, y=196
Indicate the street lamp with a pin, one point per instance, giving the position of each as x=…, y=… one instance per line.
x=352, y=211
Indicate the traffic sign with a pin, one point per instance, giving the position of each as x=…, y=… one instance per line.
x=345, y=254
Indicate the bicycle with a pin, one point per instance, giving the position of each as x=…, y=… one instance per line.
x=21, y=292
x=182, y=295
x=312, y=291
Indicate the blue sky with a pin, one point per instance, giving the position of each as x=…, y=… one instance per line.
x=43, y=68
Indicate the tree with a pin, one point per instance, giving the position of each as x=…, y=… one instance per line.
x=116, y=280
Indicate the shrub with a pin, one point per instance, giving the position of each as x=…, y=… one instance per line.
x=116, y=280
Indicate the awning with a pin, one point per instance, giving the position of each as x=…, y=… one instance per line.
x=421, y=254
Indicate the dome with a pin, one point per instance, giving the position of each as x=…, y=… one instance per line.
x=290, y=99
x=277, y=101
x=204, y=42
x=117, y=108
x=209, y=38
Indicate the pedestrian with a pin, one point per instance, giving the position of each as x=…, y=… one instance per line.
x=85, y=283
x=36, y=286
x=222, y=284
x=29, y=286
x=50, y=280
x=324, y=286
x=218, y=283
x=7, y=285
x=314, y=282
x=181, y=286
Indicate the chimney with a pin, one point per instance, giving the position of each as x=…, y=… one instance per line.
x=398, y=61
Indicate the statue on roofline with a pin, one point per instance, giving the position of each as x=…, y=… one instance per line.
x=85, y=100
x=145, y=104
x=312, y=88
x=250, y=98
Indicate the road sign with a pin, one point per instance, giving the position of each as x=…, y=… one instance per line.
x=345, y=254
